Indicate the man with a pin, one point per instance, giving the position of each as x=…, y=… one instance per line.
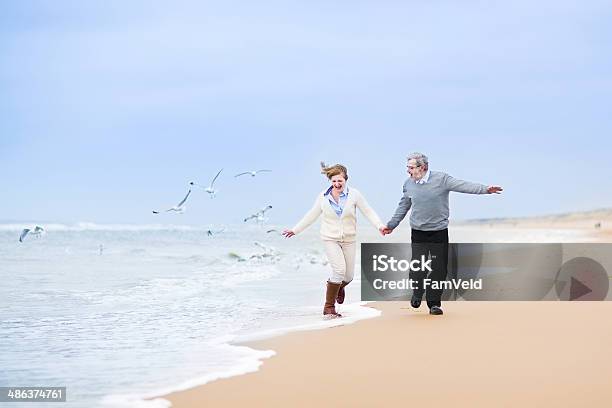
x=426, y=192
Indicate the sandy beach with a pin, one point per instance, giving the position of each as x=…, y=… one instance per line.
x=479, y=354
x=598, y=223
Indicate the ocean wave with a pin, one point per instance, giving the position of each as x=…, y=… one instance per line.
x=250, y=359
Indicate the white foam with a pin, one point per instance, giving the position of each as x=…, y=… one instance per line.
x=351, y=313
x=249, y=362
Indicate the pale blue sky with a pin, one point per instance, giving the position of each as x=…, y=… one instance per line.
x=109, y=108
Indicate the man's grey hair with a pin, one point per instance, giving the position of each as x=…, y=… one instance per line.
x=421, y=159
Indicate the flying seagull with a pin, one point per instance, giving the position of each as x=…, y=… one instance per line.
x=211, y=232
x=268, y=252
x=259, y=215
x=275, y=231
x=252, y=173
x=210, y=189
x=179, y=208
x=323, y=166
x=38, y=230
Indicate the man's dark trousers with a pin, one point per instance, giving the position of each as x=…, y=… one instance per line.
x=439, y=265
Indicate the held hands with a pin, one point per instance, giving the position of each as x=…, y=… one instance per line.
x=288, y=233
x=383, y=231
x=494, y=189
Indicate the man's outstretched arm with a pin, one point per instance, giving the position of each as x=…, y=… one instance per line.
x=462, y=186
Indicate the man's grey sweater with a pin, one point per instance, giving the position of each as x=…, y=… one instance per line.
x=429, y=201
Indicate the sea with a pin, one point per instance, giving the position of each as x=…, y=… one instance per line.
x=122, y=314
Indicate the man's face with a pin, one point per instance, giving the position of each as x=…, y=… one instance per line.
x=416, y=172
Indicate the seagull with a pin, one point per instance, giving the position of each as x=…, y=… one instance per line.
x=259, y=215
x=210, y=189
x=211, y=232
x=179, y=208
x=252, y=173
x=311, y=258
x=234, y=255
x=268, y=250
x=317, y=260
x=275, y=231
x=38, y=231
x=323, y=166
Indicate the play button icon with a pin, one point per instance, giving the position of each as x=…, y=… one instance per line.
x=578, y=289
x=581, y=279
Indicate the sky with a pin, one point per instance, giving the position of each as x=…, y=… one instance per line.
x=110, y=108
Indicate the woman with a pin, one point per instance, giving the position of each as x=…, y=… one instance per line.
x=338, y=205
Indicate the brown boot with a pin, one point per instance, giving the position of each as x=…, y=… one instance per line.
x=330, y=299
x=341, y=294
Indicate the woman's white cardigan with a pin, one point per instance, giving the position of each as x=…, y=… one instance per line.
x=343, y=228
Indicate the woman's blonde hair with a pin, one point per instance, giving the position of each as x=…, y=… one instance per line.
x=331, y=171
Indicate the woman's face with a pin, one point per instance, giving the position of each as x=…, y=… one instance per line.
x=338, y=182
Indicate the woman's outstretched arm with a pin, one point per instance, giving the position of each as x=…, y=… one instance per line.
x=310, y=217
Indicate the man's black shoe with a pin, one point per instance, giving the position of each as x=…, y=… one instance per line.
x=415, y=302
x=435, y=310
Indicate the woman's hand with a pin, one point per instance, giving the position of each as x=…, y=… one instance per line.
x=288, y=233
